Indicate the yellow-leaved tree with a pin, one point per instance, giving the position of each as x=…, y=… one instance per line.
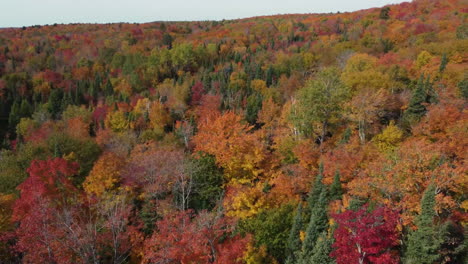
x=105, y=175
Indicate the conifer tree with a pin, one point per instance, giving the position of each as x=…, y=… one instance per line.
x=443, y=63
x=336, y=191
x=14, y=117
x=424, y=243
x=55, y=102
x=322, y=250
x=318, y=224
x=294, y=240
x=416, y=107
x=316, y=190
x=25, y=109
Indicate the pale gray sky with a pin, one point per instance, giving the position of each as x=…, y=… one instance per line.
x=17, y=13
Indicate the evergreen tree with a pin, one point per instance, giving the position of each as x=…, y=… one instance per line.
x=424, y=243
x=443, y=63
x=254, y=105
x=431, y=94
x=55, y=102
x=167, y=40
x=463, y=87
x=416, y=107
x=109, y=90
x=25, y=109
x=294, y=240
x=14, y=116
x=346, y=136
x=322, y=250
x=316, y=190
x=336, y=191
x=269, y=76
x=318, y=224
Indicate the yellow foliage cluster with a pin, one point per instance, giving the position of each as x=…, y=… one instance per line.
x=388, y=140
x=117, y=121
x=105, y=175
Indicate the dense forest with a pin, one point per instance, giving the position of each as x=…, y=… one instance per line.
x=309, y=138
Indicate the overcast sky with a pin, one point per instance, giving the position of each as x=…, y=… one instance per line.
x=17, y=13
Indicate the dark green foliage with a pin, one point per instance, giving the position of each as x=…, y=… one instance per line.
x=463, y=86
x=14, y=116
x=271, y=228
x=387, y=45
x=346, y=136
x=85, y=152
x=318, y=224
x=269, y=76
x=322, y=250
x=431, y=94
x=454, y=246
x=416, y=107
x=336, y=191
x=424, y=243
x=149, y=215
x=208, y=183
x=316, y=191
x=462, y=31
x=384, y=13
x=25, y=109
x=167, y=40
x=254, y=105
x=294, y=240
x=443, y=63
x=54, y=105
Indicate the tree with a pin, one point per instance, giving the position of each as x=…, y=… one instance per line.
x=389, y=139
x=237, y=150
x=318, y=103
x=384, y=13
x=316, y=190
x=208, y=182
x=322, y=250
x=184, y=238
x=317, y=225
x=416, y=108
x=423, y=243
x=105, y=175
x=336, y=191
x=254, y=105
x=365, y=236
x=271, y=229
x=47, y=189
x=54, y=105
x=294, y=240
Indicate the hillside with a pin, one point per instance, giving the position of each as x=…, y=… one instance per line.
x=302, y=138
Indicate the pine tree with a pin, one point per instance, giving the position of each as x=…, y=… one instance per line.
x=443, y=63
x=269, y=76
x=318, y=224
x=416, y=107
x=55, y=102
x=431, y=94
x=316, y=190
x=322, y=250
x=424, y=243
x=25, y=109
x=14, y=116
x=336, y=191
x=294, y=240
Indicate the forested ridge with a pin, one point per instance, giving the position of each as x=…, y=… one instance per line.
x=306, y=138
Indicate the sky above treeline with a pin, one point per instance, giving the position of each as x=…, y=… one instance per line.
x=18, y=13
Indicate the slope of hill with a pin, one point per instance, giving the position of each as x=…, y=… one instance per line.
x=305, y=138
